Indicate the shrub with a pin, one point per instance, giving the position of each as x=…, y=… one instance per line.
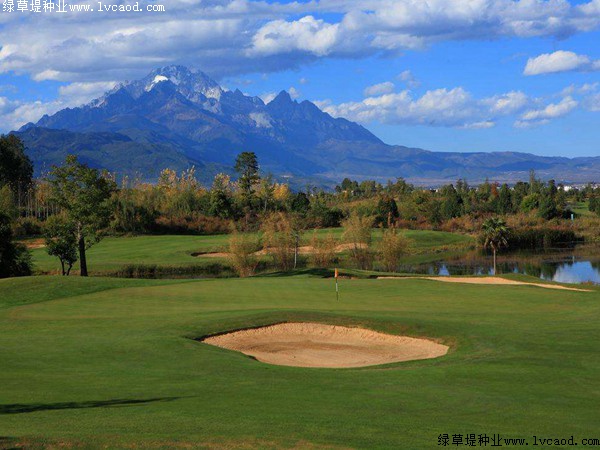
x=27, y=226
x=280, y=239
x=357, y=233
x=15, y=259
x=323, y=250
x=242, y=249
x=392, y=247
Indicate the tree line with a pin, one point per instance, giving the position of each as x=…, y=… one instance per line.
x=75, y=205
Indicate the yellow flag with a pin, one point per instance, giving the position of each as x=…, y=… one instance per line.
x=336, y=273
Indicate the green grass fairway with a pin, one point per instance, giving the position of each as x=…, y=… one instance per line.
x=115, y=252
x=108, y=363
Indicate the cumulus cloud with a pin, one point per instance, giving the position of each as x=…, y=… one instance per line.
x=16, y=113
x=231, y=37
x=379, y=89
x=560, y=61
x=458, y=108
x=553, y=110
x=440, y=107
x=544, y=115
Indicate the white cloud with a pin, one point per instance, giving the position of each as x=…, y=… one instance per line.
x=15, y=113
x=552, y=111
x=294, y=93
x=530, y=124
x=379, y=89
x=307, y=34
x=508, y=103
x=80, y=93
x=410, y=80
x=579, y=89
x=559, y=61
x=479, y=125
x=440, y=107
x=268, y=97
x=231, y=37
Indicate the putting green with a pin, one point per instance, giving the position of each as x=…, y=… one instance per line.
x=114, y=364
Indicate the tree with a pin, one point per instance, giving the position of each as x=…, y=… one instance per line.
x=357, y=233
x=504, y=203
x=300, y=203
x=451, y=206
x=246, y=165
x=83, y=194
x=15, y=259
x=280, y=240
x=393, y=245
x=495, y=235
x=61, y=241
x=266, y=192
x=387, y=211
x=323, y=250
x=16, y=169
x=548, y=209
x=242, y=249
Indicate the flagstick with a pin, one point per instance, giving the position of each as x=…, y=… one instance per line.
x=337, y=290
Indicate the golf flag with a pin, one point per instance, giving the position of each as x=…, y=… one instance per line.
x=337, y=291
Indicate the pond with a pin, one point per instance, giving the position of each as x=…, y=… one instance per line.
x=577, y=265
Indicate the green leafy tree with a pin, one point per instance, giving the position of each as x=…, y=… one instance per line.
x=387, y=211
x=83, y=194
x=16, y=169
x=548, y=209
x=15, y=259
x=495, y=235
x=504, y=204
x=246, y=165
x=61, y=241
x=300, y=203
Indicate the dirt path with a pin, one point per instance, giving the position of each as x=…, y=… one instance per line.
x=320, y=345
x=489, y=280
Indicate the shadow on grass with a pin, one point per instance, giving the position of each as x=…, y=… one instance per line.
x=314, y=272
x=19, y=408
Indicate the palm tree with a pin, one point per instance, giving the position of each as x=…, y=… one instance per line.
x=495, y=235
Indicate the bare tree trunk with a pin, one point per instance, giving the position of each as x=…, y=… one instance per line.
x=82, y=260
x=494, y=250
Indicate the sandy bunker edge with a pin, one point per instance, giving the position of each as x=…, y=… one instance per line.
x=306, y=344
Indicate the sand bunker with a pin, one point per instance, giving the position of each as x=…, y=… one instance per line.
x=319, y=345
x=488, y=280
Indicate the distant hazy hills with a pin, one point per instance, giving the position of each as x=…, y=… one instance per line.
x=176, y=117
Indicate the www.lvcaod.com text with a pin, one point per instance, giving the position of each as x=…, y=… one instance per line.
x=62, y=6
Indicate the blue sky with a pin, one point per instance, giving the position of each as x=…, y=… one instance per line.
x=462, y=75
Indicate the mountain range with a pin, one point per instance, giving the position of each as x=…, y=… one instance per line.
x=177, y=117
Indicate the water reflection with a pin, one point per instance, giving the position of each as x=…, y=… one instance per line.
x=576, y=267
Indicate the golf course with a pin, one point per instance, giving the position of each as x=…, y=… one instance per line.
x=119, y=363
x=112, y=253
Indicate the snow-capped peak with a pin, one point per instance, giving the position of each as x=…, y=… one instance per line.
x=157, y=79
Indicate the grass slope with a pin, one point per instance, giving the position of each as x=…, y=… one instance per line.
x=114, y=252
x=111, y=363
